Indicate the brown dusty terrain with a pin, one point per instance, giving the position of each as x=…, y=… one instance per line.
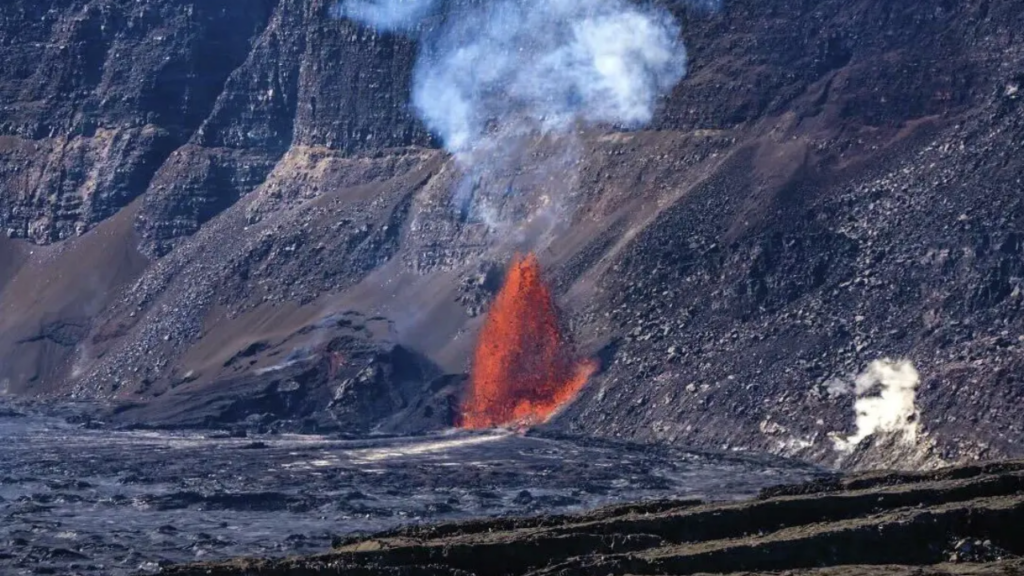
x=963, y=520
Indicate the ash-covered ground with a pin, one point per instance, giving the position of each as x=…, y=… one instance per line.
x=80, y=500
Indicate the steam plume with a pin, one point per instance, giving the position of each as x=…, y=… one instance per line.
x=892, y=411
x=493, y=69
x=387, y=14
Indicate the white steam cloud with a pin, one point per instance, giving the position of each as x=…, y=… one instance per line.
x=892, y=410
x=489, y=70
x=387, y=14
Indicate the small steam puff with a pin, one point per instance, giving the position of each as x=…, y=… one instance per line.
x=892, y=411
x=493, y=69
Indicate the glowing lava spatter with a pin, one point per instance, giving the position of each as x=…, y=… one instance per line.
x=523, y=371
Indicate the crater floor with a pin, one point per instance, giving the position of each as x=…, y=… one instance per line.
x=78, y=500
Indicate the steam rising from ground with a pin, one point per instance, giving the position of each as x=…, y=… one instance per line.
x=490, y=70
x=892, y=410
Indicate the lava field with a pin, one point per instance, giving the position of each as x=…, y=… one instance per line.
x=959, y=520
x=75, y=500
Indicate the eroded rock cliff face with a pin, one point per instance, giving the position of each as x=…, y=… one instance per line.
x=189, y=104
x=833, y=183
x=97, y=95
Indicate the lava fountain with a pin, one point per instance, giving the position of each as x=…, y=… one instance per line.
x=523, y=371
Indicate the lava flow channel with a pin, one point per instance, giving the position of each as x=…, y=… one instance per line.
x=523, y=371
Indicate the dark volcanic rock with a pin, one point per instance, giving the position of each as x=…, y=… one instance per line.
x=96, y=96
x=909, y=524
x=154, y=497
x=348, y=384
x=192, y=189
x=202, y=98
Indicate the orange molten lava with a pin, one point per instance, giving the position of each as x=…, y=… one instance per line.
x=522, y=370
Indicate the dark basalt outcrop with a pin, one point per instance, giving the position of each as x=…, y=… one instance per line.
x=834, y=182
x=340, y=378
x=952, y=521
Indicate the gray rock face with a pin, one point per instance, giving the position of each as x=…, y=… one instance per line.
x=193, y=102
x=96, y=96
x=834, y=182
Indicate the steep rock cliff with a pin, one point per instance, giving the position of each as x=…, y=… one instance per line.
x=833, y=183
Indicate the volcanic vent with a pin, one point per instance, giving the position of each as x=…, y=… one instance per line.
x=523, y=370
